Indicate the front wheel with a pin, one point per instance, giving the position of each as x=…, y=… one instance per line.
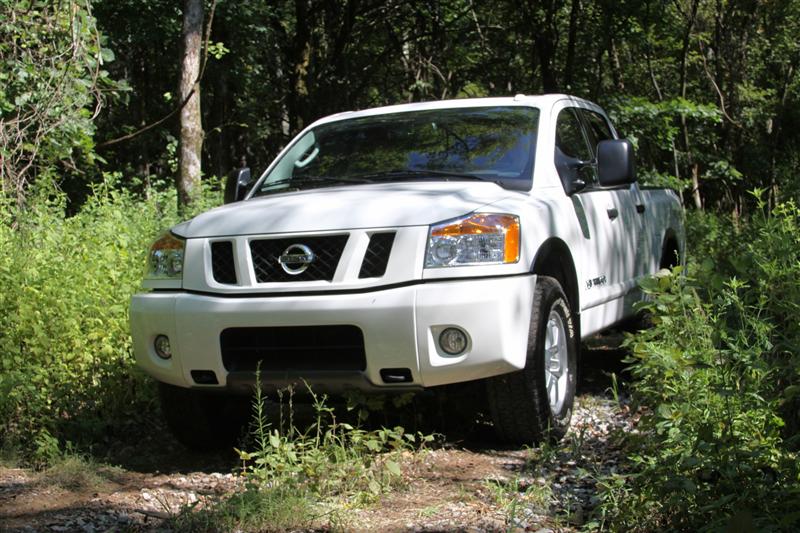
x=535, y=403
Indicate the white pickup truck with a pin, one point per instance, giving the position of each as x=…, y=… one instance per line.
x=408, y=247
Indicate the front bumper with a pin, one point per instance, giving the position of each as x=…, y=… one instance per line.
x=400, y=327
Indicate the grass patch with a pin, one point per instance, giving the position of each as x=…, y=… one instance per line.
x=428, y=512
x=78, y=474
x=66, y=363
x=278, y=509
x=514, y=495
x=71, y=473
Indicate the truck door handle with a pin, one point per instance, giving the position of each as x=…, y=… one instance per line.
x=640, y=208
x=612, y=213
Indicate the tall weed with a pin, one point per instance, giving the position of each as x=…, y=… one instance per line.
x=66, y=367
x=330, y=457
x=302, y=478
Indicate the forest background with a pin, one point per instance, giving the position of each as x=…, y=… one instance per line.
x=119, y=117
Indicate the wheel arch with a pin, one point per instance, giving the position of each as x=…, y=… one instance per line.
x=554, y=259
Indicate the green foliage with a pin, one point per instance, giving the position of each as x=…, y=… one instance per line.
x=330, y=457
x=708, y=90
x=720, y=371
x=513, y=496
x=66, y=367
x=655, y=130
x=296, y=478
x=52, y=80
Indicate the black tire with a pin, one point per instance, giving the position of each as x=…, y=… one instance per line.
x=518, y=401
x=203, y=421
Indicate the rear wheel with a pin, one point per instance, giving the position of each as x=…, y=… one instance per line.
x=535, y=403
x=203, y=421
x=670, y=255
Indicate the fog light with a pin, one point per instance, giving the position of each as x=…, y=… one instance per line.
x=453, y=341
x=161, y=344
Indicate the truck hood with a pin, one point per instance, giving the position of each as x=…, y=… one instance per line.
x=347, y=207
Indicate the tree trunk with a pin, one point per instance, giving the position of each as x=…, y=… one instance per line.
x=540, y=18
x=574, y=13
x=691, y=19
x=546, y=45
x=298, y=61
x=191, y=145
x=616, y=67
x=547, y=52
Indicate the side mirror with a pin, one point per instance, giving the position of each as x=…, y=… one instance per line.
x=237, y=185
x=615, y=165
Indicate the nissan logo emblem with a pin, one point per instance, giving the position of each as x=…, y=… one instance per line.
x=296, y=259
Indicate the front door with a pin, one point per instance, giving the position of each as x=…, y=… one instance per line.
x=603, y=247
x=634, y=252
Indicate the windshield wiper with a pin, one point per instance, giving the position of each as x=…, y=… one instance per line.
x=420, y=173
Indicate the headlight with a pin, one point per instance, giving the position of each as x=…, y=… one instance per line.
x=478, y=239
x=165, y=260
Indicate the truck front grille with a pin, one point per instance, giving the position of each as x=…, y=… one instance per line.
x=327, y=251
x=293, y=348
x=377, y=256
x=222, y=264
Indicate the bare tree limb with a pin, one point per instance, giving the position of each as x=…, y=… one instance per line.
x=716, y=88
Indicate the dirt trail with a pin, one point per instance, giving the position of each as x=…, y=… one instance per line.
x=465, y=486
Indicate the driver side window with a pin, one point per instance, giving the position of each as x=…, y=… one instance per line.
x=569, y=136
x=597, y=129
x=573, y=156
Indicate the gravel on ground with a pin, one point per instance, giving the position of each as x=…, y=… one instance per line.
x=462, y=486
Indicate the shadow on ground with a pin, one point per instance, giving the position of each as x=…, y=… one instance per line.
x=601, y=357
x=457, y=413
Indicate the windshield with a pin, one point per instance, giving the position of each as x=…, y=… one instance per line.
x=476, y=143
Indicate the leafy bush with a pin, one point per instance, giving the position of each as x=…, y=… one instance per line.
x=53, y=82
x=66, y=367
x=720, y=371
x=654, y=129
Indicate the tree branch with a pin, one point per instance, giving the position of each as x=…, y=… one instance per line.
x=716, y=88
x=183, y=102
